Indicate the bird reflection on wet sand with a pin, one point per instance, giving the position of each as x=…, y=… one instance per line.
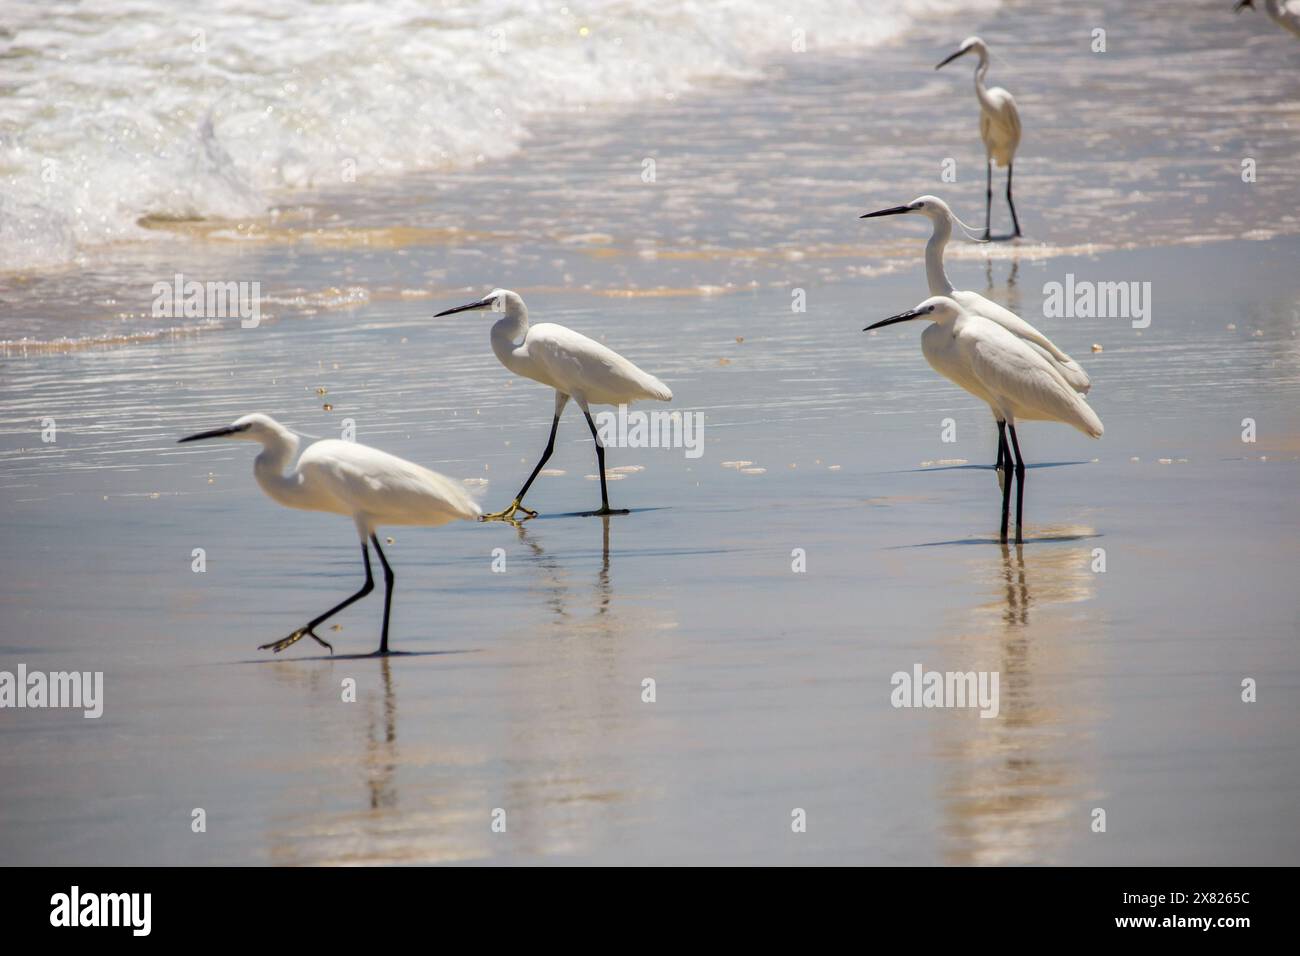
x=1012, y=293
x=553, y=580
x=565, y=699
x=1014, y=786
x=381, y=744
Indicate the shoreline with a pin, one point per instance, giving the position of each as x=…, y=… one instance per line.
x=760, y=207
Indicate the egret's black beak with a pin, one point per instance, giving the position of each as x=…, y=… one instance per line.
x=891, y=211
x=951, y=58
x=480, y=304
x=215, y=433
x=901, y=317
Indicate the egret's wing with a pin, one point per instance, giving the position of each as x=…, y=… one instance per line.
x=587, y=368
x=999, y=124
x=1070, y=370
x=1014, y=372
x=388, y=488
x=1003, y=105
x=1011, y=116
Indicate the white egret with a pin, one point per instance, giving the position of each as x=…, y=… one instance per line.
x=994, y=365
x=575, y=366
x=942, y=219
x=999, y=127
x=371, y=487
x=1285, y=13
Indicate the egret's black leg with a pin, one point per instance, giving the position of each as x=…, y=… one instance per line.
x=1004, y=454
x=988, y=196
x=600, y=464
x=388, y=594
x=1014, y=221
x=517, y=505
x=1020, y=482
x=309, y=629
x=997, y=468
x=546, y=456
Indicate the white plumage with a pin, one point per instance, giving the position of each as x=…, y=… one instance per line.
x=999, y=125
x=374, y=488
x=1018, y=381
x=942, y=219
x=580, y=367
x=999, y=121
x=370, y=486
x=575, y=366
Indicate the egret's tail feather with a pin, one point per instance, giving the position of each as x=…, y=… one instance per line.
x=657, y=390
x=1088, y=422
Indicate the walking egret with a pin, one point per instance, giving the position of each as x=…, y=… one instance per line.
x=371, y=487
x=999, y=127
x=1285, y=13
x=575, y=366
x=1000, y=368
x=942, y=219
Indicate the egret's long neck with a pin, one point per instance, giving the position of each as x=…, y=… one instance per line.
x=981, y=90
x=508, y=332
x=934, y=274
x=278, y=451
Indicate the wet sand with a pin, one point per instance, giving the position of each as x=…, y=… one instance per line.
x=1120, y=689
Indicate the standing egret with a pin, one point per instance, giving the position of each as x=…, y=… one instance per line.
x=371, y=487
x=1285, y=13
x=999, y=127
x=942, y=219
x=1000, y=368
x=575, y=366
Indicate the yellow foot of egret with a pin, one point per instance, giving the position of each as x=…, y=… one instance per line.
x=509, y=513
x=294, y=638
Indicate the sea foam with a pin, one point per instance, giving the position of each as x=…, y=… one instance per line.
x=113, y=113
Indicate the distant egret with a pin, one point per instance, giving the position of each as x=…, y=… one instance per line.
x=371, y=487
x=999, y=127
x=575, y=366
x=1285, y=13
x=994, y=365
x=942, y=218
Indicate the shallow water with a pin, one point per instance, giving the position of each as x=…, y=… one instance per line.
x=166, y=115
x=758, y=185
x=1119, y=690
